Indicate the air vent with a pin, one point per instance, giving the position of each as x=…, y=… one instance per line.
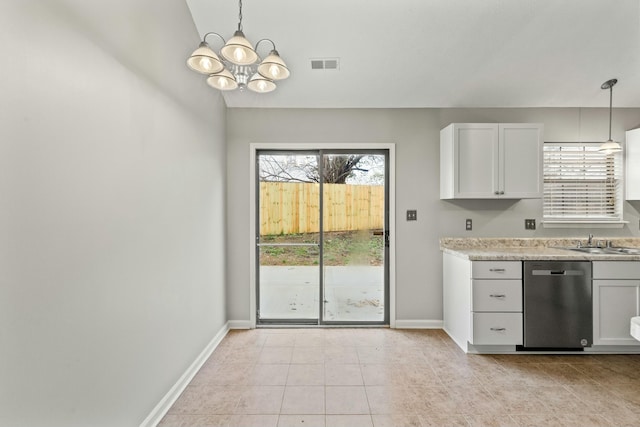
x=325, y=64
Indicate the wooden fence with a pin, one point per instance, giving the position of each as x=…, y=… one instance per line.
x=291, y=208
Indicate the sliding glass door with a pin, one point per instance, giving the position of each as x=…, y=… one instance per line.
x=321, y=237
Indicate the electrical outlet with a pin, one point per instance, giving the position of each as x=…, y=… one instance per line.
x=412, y=215
x=529, y=224
x=469, y=225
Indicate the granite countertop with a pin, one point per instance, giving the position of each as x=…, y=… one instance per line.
x=506, y=249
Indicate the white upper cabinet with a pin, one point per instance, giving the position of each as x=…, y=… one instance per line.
x=491, y=160
x=632, y=156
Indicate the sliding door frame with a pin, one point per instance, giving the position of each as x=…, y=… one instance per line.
x=329, y=147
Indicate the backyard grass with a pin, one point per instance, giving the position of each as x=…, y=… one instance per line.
x=340, y=248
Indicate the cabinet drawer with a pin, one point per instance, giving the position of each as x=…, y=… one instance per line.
x=497, y=295
x=496, y=270
x=616, y=270
x=496, y=328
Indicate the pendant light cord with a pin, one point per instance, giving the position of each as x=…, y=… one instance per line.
x=240, y=15
x=610, y=109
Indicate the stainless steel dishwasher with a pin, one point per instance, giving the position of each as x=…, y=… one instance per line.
x=557, y=309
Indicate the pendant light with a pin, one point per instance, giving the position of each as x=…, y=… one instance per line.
x=610, y=146
x=238, y=64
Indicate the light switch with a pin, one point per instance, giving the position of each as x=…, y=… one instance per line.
x=412, y=215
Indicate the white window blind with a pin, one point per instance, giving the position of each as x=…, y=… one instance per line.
x=581, y=183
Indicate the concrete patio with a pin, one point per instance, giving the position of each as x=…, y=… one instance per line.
x=351, y=293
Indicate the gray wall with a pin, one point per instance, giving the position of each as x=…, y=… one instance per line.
x=416, y=135
x=112, y=187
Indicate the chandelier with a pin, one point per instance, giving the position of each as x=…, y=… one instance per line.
x=610, y=146
x=238, y=64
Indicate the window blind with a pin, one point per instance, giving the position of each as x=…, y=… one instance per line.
x=581, y=183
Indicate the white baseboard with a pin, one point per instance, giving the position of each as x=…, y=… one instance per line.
x=419, y=324
x=239, y=324
x=172, y=395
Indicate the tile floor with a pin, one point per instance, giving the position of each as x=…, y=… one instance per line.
x=386, y=377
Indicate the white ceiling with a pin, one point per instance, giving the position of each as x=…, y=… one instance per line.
x=439, y=53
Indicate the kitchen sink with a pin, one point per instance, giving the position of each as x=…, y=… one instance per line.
x=624, y=251
x=590, y=250
x=605, y=251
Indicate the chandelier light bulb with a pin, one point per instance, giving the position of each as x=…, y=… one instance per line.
x=238, y=50
x=274, y=71
x=204, y=60
x=259, y=84
x=273, y=67
x=223, y=80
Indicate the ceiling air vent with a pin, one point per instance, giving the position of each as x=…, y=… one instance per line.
x=325, y=64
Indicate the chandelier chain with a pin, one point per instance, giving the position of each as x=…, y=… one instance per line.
x=240, y=15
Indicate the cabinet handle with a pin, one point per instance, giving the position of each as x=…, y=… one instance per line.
x=502, y=192
x=498, y=296
x=498, y=329
x=497, y=270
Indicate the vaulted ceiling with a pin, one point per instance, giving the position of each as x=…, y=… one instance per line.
x=439, y=53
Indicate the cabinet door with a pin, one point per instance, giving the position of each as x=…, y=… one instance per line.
x=520, y=160
x=615, y=302
x=476, y=160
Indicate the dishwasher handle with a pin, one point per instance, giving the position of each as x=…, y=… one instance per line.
x=557, y=273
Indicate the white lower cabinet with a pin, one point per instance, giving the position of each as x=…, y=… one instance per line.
x=496, y=328
x=482, y=301
x=616, y=299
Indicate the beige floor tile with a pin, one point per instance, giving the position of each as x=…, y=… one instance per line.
x=277, y=355
x=260, y=400
x=207, y=400
x=502, y=420
x=396, y=421
x=309, y=400
x=621, y=420
x=536, y=420
x=301, y=421
x=308, y=355
x=565, y=374
x=333, y=354
x=195, y=421
x=349, y=421
x=268, y=374
x=253, y=421
x=384, y=377
x=304, y=374
x=449, y=420
x=280, y=340
x=600, y=399
x=343, y=374
x=313, y=339
x=224, y=374
x=346, y=400
x=376, y=374
x=583, y=420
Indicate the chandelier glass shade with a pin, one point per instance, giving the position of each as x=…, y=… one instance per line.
x=238, y=64
x=610, y=146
